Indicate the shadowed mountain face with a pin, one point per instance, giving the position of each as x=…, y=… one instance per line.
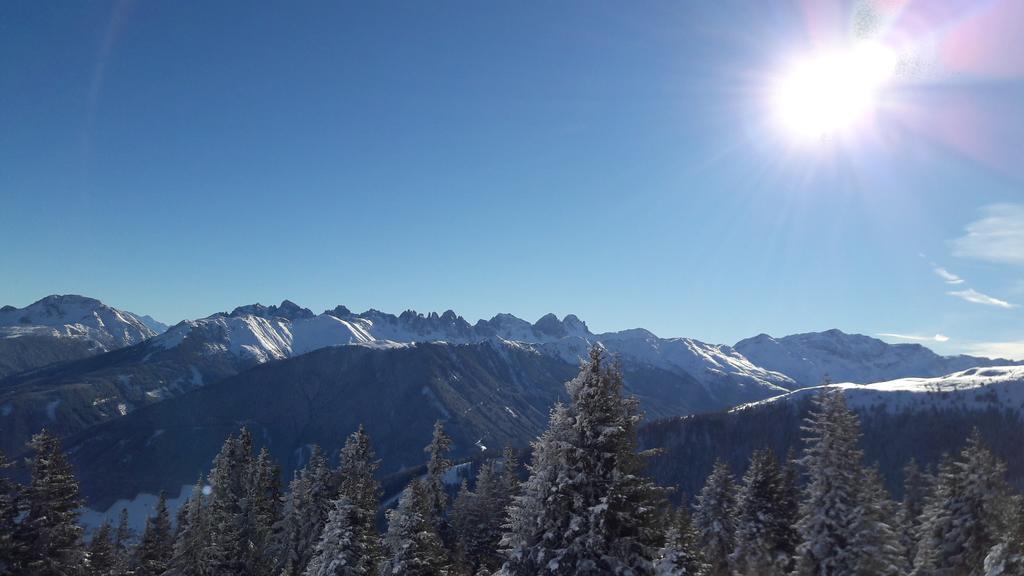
x=488, y=394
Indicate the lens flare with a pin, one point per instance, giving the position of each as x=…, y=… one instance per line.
x=830, y=93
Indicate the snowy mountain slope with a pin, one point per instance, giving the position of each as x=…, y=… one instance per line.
x=64, y=327
x=908, y=417
x=264, y=333
x=811, y=357
x=999, y=387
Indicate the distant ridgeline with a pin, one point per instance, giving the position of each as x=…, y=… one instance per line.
x=912, y=418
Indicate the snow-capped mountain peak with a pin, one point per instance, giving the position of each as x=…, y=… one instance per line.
x=810, y=358
x=74, y=316
x=259, y=333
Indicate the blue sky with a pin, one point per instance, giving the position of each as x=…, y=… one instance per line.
x=616, y=161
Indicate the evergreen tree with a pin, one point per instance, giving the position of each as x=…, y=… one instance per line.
x=49, y=532
x=510, y=473
x=789, y=509
x=124, y=540
x=762, y=533
x=349, y=544
x=915, y=491
x=224, y=554
x=102, y=554
x=876, y=542
x=1007, y=557
x=962, y=520
x=192, y=537
x=9, y=545
x=153, y=555
x=340, y=551
x=715, y=519
x=412, y=543
x=598, y=514
x=309, y=503
x=263, y=512
x=539, y=515
x=828, y=515
x=681, y=555
x=438, y=465
x=477, y=519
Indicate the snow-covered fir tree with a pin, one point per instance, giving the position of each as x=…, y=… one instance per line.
x=877, y=545
x=762, y=522
x=308, y=505
x=828, y=515
x=790, y=508
x=225, y=553
x=477, y=519
x=1007, y=557
x=916, y=486
x=102, y=556
x=153, y=555
x=963, y=519
x=598, y=514
x=349, y=544
x=263, y=511
x=681, y=555
x=124, y=542
x=49, y=534
x=412, y=545
x=715, y=519
x=340, y=549
x=438, y=465
x=192, y=536
x=540, y=513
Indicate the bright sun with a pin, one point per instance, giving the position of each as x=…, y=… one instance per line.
x=829, y=93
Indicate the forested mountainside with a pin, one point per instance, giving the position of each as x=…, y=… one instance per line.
x=921, y=418
x=586, y=505
x=488, y=394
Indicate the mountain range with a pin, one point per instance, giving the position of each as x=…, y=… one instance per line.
x=143, y=408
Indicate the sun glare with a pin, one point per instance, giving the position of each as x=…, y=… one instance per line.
x=828, y=94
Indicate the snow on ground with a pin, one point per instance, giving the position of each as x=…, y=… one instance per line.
x=139, y=508
x=51, y=409
x=972, y=389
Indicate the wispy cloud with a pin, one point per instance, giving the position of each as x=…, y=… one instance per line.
x=972, y=295
x=948, y=276
x=1008, y=350
x=997, y=237
x=915, y=337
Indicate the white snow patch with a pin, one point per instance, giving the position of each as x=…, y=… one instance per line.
x=51, y=409
x=973, y=389
x=139, y=508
